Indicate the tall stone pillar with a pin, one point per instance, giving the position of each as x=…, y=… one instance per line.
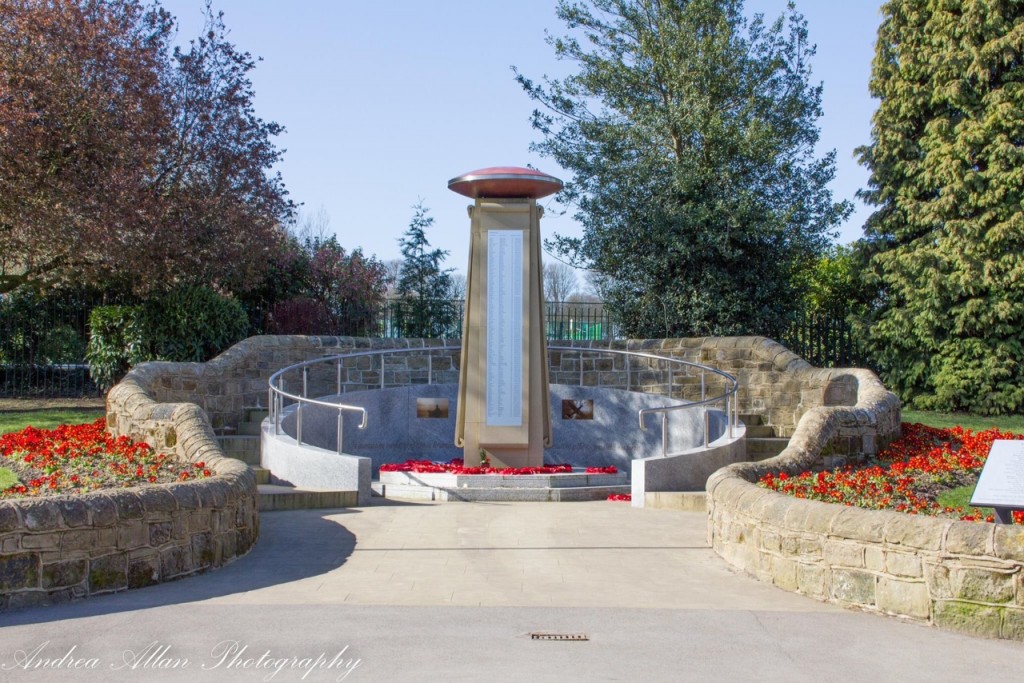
x=503, y=405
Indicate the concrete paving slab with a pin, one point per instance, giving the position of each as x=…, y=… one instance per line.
x=452, y=591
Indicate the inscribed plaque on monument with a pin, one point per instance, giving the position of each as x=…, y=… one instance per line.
x=504, y=399
x=1001, y=482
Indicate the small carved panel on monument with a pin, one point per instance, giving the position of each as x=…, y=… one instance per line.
x=432, y=408
x=573, y=409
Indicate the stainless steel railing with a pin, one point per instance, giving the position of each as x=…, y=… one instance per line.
x=667, y=365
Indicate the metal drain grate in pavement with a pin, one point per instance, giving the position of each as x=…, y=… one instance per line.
x=559, y=636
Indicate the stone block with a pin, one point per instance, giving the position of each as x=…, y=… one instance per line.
x=784, y=573
x=852, y=586
x=914, y=531
x=810, y=580
x=78, y=540
x=19, y=571
x=199, y=521
x=73, y=510
x=983, y=585
x=969, y=538
x=906, y=598
x=202, y=550
x=108, y=573
x=8, y=518
x=62, y=574
x=771, y=541
x=1008, y=542
x=874, y=558
x=861, y=525
x=144, y=570
x=940, y=584
x=903, y=564
x=156, y=499
x=1013, y=624
x=966, y=617
x=102, y=510
x=175, y=560
x=844, y=554
x=40, y=515
x=132, y=534
x=50, y=541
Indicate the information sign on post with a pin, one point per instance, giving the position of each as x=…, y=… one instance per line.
x=1001, y=483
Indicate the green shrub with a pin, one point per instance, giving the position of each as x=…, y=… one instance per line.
x=117, y=341
x=187, y=324
x=193, y=324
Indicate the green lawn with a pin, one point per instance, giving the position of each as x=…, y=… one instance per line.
x=14, y=421
x=1006, y=423
x=7, y=478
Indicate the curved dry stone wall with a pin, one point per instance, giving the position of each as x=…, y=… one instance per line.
x=964, y=576
x=56, y=549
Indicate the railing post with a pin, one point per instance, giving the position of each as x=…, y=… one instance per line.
x=430, y=368
x=629, y=385
x=703, y=389
x=279, y=402
x=305, y=381
x=382, y=371
x=671, y=374
x=339, y=431
x=728, y=413
x=664, y=435
x=581, y=367
x=736, y=406
x=339, y=376
x=298, y=423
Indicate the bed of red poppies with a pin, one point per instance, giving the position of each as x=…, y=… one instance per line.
x=82, y=458
x=904, y=477
x=456, y=466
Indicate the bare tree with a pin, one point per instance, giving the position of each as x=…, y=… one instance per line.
x=458, y=288
x=313, y=226
x=394, y=268
x=559, y=281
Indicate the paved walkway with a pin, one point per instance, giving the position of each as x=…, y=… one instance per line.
x=408, y=592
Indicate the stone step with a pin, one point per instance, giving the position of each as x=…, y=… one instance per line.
x=760, y=431
x=255, y=414
x=762, y=449
x=274, y=497
x=262, y=474
x=249, y=428
x=686, y=501
x=244, y=448
x=490, y=494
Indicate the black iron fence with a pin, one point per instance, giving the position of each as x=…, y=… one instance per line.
x=826, y=340
x=43, y=339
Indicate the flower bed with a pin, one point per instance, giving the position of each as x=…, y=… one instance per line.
x=905, y=477
x=73, y=459
x=456, y=466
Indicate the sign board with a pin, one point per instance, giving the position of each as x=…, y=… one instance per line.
x=504, y=400
x=1001, y=483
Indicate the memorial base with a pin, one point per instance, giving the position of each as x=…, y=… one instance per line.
x=444, y=487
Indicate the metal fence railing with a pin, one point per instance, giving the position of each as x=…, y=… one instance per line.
x=43, y=340
x=826, y=340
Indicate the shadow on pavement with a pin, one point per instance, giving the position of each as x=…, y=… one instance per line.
x=293, y=545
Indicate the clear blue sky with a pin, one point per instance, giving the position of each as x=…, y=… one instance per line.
x=385, y=102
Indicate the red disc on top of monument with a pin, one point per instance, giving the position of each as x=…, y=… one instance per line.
x=505, y=182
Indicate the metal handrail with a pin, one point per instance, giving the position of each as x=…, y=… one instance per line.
x=278, y=396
